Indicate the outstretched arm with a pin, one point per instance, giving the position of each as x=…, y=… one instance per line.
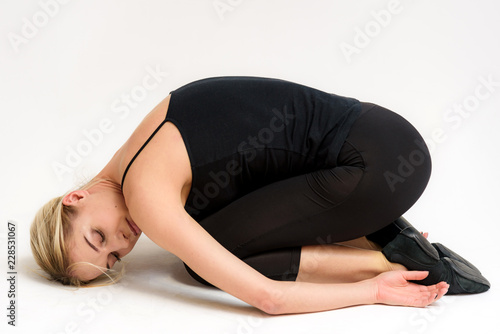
x=162, y=218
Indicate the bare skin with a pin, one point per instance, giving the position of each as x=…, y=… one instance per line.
x=101, y=233
x=154, y=194
x=342, y=264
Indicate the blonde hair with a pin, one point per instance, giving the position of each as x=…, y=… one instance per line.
x=49, y=234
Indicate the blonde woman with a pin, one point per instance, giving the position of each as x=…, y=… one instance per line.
x=282, y=195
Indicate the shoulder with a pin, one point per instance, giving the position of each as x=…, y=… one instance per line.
x=162, y=165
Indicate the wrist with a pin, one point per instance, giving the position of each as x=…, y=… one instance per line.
x=370, y=290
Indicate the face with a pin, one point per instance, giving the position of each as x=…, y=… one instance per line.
x=102, y=232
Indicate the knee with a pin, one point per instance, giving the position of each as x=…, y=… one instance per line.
x=413, y=168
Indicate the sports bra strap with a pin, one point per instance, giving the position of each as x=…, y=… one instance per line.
x=140, y=150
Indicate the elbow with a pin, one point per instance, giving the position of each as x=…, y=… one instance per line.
x=271, y=302
x=270, y=307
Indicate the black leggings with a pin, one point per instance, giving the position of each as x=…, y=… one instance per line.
x=381, y=171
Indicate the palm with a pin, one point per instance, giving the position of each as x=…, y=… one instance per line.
x=393, y=288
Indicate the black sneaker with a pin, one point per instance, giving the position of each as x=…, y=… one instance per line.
x=411, y=249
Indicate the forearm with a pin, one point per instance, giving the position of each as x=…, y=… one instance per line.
x=302, y=297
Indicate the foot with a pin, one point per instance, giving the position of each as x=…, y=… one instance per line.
x=446, y=252
x=464, y=279
x=415, y=252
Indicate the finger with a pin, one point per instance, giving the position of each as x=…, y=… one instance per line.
x=425, y=299
x=414, y=275
x=442, y=286
x=434, y=288
x=430, y=298
x=437, y=295
x=443, y=290
x=437, y=291
x=425, y=234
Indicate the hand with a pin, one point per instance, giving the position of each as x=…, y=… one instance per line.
x=393, y=288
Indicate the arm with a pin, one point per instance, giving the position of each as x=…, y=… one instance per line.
x=170, y=227
x=153, y=197
x=164, y=220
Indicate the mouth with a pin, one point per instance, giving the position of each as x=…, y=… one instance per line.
x=134, y=228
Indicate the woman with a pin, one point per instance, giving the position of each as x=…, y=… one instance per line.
x=284, y=196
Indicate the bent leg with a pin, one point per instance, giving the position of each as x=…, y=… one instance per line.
x=336, y=263
x=341, y=264
x=362, y=243
x=371, y=187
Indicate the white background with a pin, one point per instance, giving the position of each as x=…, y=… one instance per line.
x=65, y=68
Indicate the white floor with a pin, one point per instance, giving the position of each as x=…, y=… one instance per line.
x=70, y=70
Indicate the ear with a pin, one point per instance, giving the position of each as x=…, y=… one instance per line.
x=74, y=197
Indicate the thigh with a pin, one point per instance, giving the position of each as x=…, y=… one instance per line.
x=397, y=168
x=382, y=169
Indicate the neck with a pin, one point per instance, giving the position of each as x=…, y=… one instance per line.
x=100, y=183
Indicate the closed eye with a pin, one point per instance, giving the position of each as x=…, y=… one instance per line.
x=103, y=238
x=116, y=256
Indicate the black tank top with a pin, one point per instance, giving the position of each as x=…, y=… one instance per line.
x=242, y=133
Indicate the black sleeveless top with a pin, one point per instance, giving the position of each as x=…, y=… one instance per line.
x=242, y=133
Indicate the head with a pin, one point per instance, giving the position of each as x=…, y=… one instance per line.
x=77, y=238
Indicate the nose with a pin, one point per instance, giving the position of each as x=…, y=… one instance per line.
x=121, y=240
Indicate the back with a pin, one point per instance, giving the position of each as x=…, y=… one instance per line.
x=242, y=133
